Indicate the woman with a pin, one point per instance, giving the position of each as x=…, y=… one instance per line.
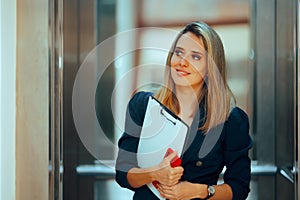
x=196, y=90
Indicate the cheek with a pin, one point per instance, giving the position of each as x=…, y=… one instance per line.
x=201, y=68
x=174, y=61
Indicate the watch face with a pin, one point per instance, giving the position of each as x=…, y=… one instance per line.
x=211, y=190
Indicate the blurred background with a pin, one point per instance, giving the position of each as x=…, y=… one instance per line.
x=258, y=37
x=261, y=46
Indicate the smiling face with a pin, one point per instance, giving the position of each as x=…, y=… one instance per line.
x=189, y=62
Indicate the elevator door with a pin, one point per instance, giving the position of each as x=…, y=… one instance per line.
x=86, y=23
x=275, y=118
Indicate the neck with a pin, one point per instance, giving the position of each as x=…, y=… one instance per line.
x=188, y=98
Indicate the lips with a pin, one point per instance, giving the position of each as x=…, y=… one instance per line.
x=181, y=72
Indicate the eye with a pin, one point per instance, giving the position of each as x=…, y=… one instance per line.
x=196, y=57
x=178, y=52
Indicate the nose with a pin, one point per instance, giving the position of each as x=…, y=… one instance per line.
x=183, y=62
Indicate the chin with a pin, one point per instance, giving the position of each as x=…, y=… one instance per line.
x=182, y=84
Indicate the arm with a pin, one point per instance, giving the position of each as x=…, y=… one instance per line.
x=128, y=174
x=237, y=143
x=129, y=141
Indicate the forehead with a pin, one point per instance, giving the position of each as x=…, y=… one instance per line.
x=190, y=41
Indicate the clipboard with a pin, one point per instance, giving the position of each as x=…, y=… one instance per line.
x=161, y=130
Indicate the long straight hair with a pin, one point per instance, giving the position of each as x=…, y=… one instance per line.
x=215, y=92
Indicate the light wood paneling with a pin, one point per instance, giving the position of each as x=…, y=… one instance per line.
x=32, y=100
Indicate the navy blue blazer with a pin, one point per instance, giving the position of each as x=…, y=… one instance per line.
x=230, y=150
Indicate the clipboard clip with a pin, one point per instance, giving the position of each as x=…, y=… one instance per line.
x=163, y=114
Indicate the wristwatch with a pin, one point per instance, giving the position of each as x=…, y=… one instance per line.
x=211, y=191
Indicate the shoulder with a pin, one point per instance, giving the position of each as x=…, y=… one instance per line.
x=137, y=106
x=237, y=117
x=237, y=129
x=139, y=100
x=141, y=96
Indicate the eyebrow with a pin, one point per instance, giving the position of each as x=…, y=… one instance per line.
x=197, y=52
x=178, y=48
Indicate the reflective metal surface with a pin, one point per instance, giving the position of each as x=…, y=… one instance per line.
x=56, y=86
x=297, y=95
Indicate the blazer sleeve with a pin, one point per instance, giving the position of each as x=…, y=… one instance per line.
x=128, y=142
x=236, y=146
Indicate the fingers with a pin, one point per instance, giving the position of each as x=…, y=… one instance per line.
x=173, y=176
x=171, y=156
x=169, y=175
x=167, y=192
x=175, y=192
x=176, y=174
x=178, y=170
x=170, y=180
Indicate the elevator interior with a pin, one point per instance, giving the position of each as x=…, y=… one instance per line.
x=260, y=40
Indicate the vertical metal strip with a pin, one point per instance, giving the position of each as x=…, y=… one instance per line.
x=296, y=99
x=56, y=100
x=297, y=130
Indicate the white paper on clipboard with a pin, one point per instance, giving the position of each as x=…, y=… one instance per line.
x=161, y=130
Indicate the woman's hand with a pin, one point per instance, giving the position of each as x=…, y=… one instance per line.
x=162, y=173
x=167, y=175
x=179, y=191
x=183, y=191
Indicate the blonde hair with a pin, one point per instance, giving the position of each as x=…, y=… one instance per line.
x=216, y=93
